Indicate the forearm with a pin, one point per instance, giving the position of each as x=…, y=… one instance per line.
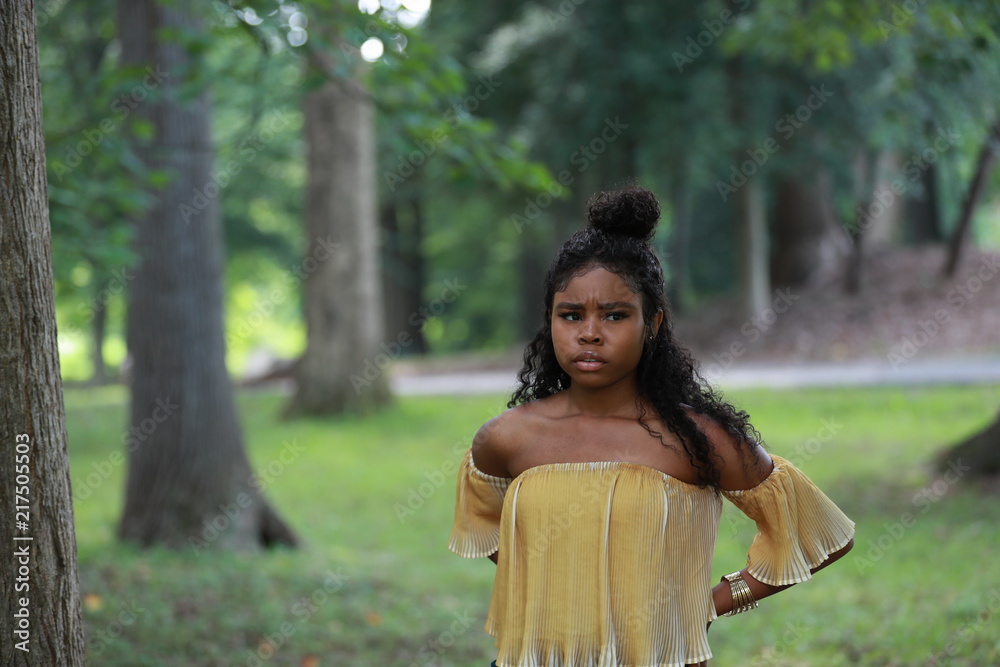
x=722, y=593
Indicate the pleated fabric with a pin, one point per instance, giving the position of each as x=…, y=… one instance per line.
x=798, y=527
x=608, y=564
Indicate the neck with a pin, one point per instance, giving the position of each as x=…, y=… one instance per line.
x=618, y=400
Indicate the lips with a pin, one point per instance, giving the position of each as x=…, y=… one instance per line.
x=589, y=361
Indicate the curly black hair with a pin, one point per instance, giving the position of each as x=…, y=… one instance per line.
x=617, y=239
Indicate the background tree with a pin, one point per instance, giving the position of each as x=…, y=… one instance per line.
x=980, y=452
x=343, y=294
x=34, y=467
x=92, y=172
x=190, y=468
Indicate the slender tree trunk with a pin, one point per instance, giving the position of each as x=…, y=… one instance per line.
x=980, y=452
x=680, y=241
x=749, y=210
x=40, y=618
x=189, y=481
x=97, y=329
x=344, y=365
x=403, y=274
x=924, y=212
x=418, y=269
x=987, y=154
x=751, y=218
x=864, y=196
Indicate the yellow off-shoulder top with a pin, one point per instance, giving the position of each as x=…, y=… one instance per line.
x=608, y=564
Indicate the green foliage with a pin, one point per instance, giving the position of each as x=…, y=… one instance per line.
x=480, y=111
x=373, y=500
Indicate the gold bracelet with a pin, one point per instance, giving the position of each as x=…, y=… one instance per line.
x=742, y=597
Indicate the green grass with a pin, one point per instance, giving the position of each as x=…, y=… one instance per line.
x=375, y=586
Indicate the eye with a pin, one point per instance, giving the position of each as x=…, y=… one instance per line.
x=570, y=316
x=616, y=316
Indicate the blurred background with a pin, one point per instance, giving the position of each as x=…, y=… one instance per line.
x=299, y=247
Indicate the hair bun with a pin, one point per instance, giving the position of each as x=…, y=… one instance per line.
x=632, y=211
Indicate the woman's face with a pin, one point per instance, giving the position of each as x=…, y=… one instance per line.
x=598, y=329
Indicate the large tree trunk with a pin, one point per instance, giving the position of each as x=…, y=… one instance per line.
x=40, y=618
x=987, y=154
x=979, y=453
x=189, y=480
x=344, y=365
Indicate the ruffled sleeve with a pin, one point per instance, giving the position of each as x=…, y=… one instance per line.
x=798, y=526
x=478, y=501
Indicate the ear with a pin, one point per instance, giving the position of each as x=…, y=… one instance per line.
x=654, y=326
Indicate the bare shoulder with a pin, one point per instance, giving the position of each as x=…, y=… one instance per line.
x=499, y=440
x=742, y=466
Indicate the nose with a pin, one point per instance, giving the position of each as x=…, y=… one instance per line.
x=589, y=332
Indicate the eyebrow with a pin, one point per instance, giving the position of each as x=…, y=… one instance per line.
x=611, y=305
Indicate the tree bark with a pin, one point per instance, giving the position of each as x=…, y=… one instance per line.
x=98, y=375
x=680, y=242
x=189, y=481
x=864, y=168
x=980, y=452
x=924, y=211
x=753, y=248
x=808, y=243
x=403, y=274
x=41, y=622
x=749, y=209
x=987, y=154
x=344, y=365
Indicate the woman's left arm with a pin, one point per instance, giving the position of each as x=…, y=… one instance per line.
x=722, y=593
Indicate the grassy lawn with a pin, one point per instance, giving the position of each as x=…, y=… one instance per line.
x=375, y=586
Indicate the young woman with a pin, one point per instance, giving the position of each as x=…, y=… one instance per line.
x=598, y=493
